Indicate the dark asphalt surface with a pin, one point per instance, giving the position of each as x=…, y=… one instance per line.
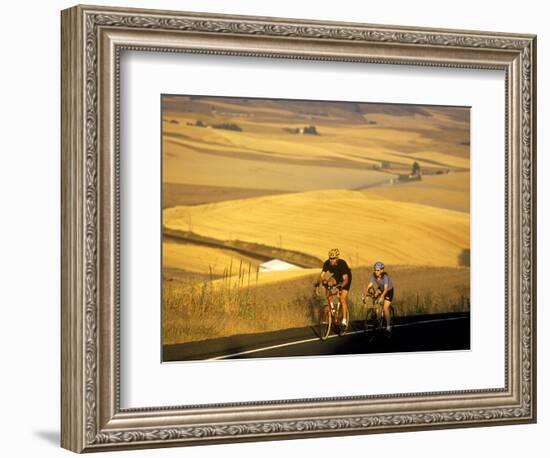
x=419, y=333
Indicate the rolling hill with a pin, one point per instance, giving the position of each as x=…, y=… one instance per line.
x=253, y=143
x=364, y=228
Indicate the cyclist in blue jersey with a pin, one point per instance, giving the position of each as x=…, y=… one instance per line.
x=384, y=293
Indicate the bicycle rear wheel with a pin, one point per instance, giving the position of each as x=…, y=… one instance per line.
x=325, y=322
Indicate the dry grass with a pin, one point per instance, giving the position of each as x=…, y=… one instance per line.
x=198, y=310
x=272, y=278
x=364, y=228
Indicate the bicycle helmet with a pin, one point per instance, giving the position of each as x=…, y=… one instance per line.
x=333, y=253
x=379, y=265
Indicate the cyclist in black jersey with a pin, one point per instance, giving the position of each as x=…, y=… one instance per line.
x=338, y=273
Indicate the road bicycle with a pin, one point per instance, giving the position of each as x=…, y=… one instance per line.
x=331, y=313
x=375, y=321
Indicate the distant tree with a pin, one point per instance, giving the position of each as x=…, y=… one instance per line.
x=464, y=258
x=227, y=126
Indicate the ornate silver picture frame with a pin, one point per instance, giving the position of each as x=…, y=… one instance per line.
x=93, y=40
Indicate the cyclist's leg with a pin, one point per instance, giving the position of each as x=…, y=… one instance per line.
x=387, y=314
x=343, y=298
x=387, y=303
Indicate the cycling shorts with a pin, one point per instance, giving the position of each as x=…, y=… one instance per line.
x=389, y=295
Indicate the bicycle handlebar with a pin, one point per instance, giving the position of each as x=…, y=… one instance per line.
x=327, y=286
x=371, y=292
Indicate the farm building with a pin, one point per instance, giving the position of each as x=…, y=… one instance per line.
x=276, y=265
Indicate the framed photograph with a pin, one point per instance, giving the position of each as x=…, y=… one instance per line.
x=278, y=228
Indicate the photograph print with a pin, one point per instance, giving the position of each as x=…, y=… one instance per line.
x=313, y=228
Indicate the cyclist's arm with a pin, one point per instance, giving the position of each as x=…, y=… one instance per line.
x=366, y=290
x=321, y=278
x=345, y=280
x=318, y=281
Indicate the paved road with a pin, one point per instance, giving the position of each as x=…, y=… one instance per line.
x=420, y=333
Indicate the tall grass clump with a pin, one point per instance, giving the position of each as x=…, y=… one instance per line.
x=197, y=310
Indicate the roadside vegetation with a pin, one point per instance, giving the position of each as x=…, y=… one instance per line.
x=241, y=302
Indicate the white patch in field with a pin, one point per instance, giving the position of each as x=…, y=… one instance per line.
x=276, y=265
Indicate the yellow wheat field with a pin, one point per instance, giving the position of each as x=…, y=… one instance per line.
x=450, y=191
x=363, y=228
x=202, y=259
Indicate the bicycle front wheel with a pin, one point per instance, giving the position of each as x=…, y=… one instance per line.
x=325, y=322
x=392, y=318
x=371, y=320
